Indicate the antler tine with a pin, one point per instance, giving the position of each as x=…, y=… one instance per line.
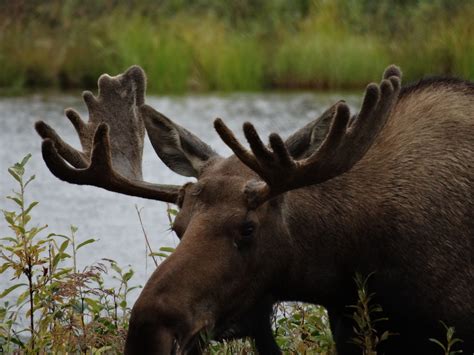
x=374, y=115
x=233, y=143
x=281, y=151
x=334, y=137
x=73, y=156
x=256, y=145
x=345, y=144
x=112, y=141
x=101, y=158
x=392, y=71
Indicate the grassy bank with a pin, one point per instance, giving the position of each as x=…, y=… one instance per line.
x=237, y=45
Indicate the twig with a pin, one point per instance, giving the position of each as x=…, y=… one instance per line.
x=146, y=237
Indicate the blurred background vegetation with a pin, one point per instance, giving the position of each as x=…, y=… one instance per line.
x=202, y=45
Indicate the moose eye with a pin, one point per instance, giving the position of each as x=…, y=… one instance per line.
x=247, y=229
x=246, y=233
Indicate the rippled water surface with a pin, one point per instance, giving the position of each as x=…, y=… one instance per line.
x=112, y=217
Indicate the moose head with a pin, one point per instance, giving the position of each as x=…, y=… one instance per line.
x=268, y=223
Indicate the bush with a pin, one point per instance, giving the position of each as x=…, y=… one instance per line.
x=66, y=309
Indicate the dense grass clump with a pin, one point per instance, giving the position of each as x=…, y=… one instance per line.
x=235, y=45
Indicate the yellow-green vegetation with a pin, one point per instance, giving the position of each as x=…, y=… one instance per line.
x=450, y=342
x=233, y=45
x=57, y=307
x=366, y=315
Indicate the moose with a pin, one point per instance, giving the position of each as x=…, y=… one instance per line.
x=388, y=190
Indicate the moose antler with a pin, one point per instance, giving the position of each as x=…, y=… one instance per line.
x=112, y=140
x=345, y=144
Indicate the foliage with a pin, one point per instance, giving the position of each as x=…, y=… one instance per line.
x=234, y=45
x=450, y=341
x=366, y=314
x=302, y=328
x=67, y=309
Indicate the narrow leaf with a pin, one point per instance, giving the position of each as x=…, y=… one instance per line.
x=10, y=289
x=88, y=241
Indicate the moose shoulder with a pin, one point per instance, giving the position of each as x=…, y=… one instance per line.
x=389, y=190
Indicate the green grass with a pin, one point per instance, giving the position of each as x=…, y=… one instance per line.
x=316, y=61
x=240, y=45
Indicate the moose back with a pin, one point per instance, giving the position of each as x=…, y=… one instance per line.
x=388, y=190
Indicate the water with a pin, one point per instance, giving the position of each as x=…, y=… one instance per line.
x=112, y=217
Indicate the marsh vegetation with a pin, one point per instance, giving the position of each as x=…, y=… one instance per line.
x=237, y=45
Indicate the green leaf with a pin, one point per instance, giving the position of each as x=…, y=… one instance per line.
x=167, y=249
x=56, y=260
x=128, y=275
x=454, y=341
x=10, y=289
x=94, y=305
x=172, y=211
x=450, y=332
x=58, y=274
x=18, y=342
x=88, y=241
x=437, y=342
x=25, y=160
x=115, y=267
x=22, y=297
x=16, y=200
x=9, y=217
x=62, y=236
x=385, y=335
x=14, y=174
x=10, y=239
x=31, y=206
x=63, y=246
x=4, y=267
x=32, y=177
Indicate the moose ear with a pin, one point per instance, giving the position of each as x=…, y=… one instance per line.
x=305, y=141
x=178, y=148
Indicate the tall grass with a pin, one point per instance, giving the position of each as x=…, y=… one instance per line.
x=237, y=45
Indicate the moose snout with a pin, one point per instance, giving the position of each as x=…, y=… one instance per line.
x=160, y=325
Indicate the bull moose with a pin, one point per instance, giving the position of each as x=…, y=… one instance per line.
x=388, y=190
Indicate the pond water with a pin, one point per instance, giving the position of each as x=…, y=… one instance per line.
x=112, y=217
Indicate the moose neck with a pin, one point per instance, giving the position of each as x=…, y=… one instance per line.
x=329, y=224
